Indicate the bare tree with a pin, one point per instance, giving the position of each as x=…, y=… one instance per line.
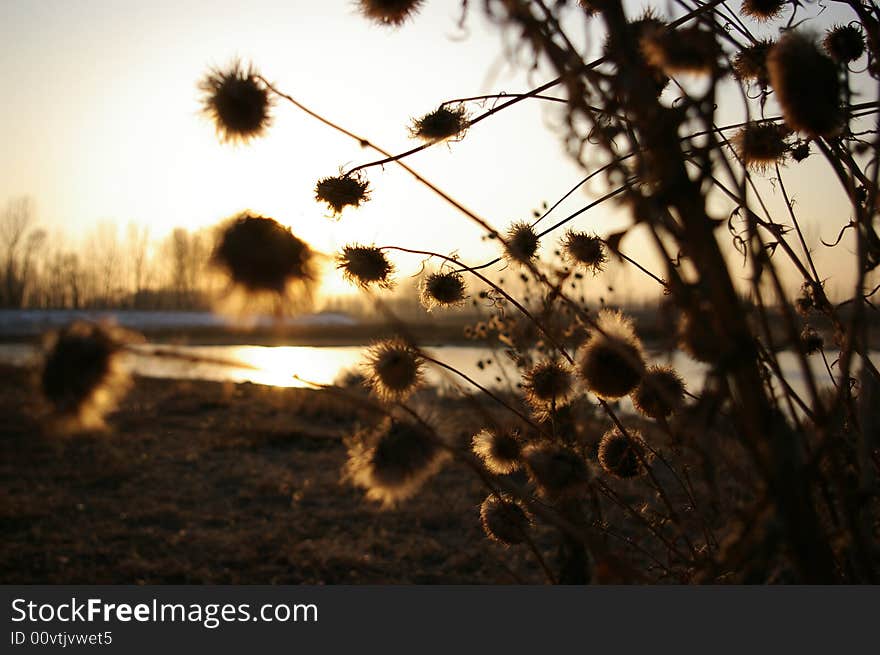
x=17, y=246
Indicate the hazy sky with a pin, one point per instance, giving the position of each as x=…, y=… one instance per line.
x=100, y=120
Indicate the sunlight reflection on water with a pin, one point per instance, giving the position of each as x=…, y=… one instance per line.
x=278, y=365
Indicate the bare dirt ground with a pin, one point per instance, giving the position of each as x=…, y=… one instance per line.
x=204, y=483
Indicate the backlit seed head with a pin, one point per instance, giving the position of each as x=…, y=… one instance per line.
x=584, y=249
x=81, y=377
x=611, y=363
x=365, y=266
x=686, y=50
x=750, y=63
x=342, y=191
x=548, y=383
x=556, y=470
x=262, y=258
x=393, y=369
x=504, y=520
x=762, y=10
x=622, y=455
x=392, y=13
x=761, y=144
x=499, y=449
x=660, y=393
x=393, y=460
x=800, y=152
x=807, y=86
x=443, y=289
x=521, y=243
x=844, y=43
x=237, y=102
x=442, y=123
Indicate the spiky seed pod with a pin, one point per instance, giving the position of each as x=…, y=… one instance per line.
x=442, y=123
x=750, y=63
x=521, y=243
x=800, y=152
x=342, y=191
x=584, y=249
x=611, y=362
x=556, y=471
x=762, y=10
x=81, y=377
x=548, y=382
x=393, y=460
x=660, y=393
x=806, y=85
x=443, y=289
x=761, y=144
x=260, y=255
x=500, y=450
x=365, y=266
x=686, y=50
x=811, y=340
x=392, y=13
x=621, y=455
x=844, y=43
x=237, y=102
x=504, y=520
x=393, y=369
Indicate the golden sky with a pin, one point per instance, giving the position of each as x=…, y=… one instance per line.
x=100, y=120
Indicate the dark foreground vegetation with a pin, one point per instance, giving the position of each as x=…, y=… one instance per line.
x=224, y=484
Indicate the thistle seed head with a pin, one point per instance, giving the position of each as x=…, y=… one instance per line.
x=807, y=86
x=548, y=383
x=504, y=520
x=365, y=266
x=237, y=102
x=584, y=249
x=259, y=255
x=342, y=191
x=761, y=144
x=500, y=450
x=443, y=289
x=844, y=43
x=393, y=460
x=660, y=393
x=442, y=123
x=521, y=243
x=611, y=362
x=81, y=377
x=393, y=369
x=621, y=455
x=750, y=63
